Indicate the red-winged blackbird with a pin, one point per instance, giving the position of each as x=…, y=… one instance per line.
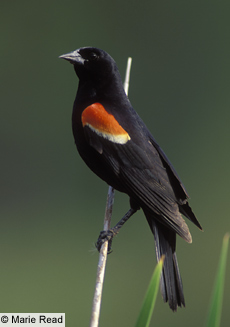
x=117, y=146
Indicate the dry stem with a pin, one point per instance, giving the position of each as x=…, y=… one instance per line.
x=94, y=322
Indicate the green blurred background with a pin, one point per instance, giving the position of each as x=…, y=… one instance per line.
x=52, y=206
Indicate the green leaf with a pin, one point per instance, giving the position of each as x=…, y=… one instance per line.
x=150, y=297
x=217, y=297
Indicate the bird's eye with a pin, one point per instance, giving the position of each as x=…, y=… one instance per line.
x=93, y=56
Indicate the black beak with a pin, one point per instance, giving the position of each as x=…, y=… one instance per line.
x=73, y=57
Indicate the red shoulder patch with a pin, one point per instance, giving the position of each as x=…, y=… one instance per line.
x=104, y=124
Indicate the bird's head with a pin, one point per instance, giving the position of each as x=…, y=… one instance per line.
x=91, y=63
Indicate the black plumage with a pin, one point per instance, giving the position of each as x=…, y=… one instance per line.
x=118, y=147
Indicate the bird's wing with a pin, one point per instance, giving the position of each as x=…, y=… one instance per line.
x=138, y=167
x=148, y=183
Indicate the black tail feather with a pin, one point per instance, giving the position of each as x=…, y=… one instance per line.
x=171, y=283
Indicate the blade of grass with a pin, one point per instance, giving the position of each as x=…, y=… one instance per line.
x=215, y=309
x=150, y=297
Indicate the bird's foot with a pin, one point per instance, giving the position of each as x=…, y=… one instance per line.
x=105, y=235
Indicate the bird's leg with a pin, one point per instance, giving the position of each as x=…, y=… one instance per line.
x=107, y=235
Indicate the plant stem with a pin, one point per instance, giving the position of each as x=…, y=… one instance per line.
x=94, y=322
